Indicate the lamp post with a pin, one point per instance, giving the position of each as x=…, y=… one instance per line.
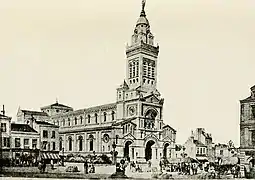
x=114, y=153
x=62, y=157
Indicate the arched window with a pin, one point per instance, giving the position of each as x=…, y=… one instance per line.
x=75, y=120
x=69, y=122
x=96, y=118
x=64, y=122
x=60, y=144
x=70, y=143
x=91, y=138
x=88, y=119
x=81, y=119
x=103, y=148
x=80, y=143
x=105, y=116
x=113, y=113
x=117, y=137
x=150, y=117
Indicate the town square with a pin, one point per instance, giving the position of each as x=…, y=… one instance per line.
x=201, y=132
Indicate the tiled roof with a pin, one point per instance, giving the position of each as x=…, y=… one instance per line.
x=45, y=123
x=36, y=113
x=22, y=128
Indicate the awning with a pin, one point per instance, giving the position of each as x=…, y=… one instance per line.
x=201, y=158
x=49, y=156
x=229, y=161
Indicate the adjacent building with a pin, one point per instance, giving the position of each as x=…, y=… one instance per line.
x=24, y=142
x=5, y=136
x=247, y=129
x=199, y=146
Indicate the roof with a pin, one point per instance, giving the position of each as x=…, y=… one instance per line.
x=198, y=143
x=37, y=113
x=248, y=99
x=165, y=126
x=45, y=123
x=56, y=105
x=60, y=105
x=22, y=128
x=3, y=116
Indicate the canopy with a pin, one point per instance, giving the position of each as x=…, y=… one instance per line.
x=202, y=158
x=229, y=161
x=49, y=156
x=190, y=160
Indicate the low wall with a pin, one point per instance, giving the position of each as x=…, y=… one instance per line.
x=99, y=168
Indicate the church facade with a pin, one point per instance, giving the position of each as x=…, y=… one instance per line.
x=134, y=123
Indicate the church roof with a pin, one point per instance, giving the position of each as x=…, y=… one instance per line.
x=36, y=113
x=55, y=105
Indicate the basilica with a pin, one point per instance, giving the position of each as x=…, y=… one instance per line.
x=132, y=126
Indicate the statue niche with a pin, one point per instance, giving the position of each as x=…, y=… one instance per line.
x=149, y=120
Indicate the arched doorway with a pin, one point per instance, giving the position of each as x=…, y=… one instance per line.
x=165, y=150
x=126, y=149
x=252, y=162
x=148, y=150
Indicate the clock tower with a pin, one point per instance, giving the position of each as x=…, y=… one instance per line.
x=141, y=64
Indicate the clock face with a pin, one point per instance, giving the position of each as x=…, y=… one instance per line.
x=106, y=138
x=131, y=111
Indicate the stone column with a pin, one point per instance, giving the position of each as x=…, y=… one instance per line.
x=155, y=157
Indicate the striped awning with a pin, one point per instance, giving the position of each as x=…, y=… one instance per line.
x=49, y=156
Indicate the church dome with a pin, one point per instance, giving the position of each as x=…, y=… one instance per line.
x=142, y=20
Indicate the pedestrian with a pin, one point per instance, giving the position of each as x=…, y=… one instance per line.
x=52, y=164
x=86, y=167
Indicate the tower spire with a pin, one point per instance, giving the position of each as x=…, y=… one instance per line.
x=143, y=5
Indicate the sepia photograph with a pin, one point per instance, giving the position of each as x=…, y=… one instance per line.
x=127, y=89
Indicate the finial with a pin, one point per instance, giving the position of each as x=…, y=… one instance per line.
x=143, y=5
x=57, y=100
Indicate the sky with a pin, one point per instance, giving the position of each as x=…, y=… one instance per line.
x=75, y=51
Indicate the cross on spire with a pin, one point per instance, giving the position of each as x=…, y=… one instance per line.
x=143, y=5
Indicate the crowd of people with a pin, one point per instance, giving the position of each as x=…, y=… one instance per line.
x=213, y=170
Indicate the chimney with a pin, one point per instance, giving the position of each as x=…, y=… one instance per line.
x=3, y=111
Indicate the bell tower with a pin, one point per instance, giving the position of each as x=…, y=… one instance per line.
x=141, y=65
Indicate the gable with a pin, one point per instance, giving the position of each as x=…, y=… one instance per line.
x=129, y=136
x=167, y=138
x=152, y=99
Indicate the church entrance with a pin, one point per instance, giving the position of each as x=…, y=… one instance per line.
x=165, y=150
x=126, y=150
x=148, y=150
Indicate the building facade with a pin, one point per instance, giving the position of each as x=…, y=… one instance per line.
x=24, y=142
x=134, y=123
x=5, y=136
x=247, y=130
x=199, y=146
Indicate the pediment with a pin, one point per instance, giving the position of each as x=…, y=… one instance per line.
x=167, y=138
x=152, y=99
x=129, y=136
x=153, y=136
